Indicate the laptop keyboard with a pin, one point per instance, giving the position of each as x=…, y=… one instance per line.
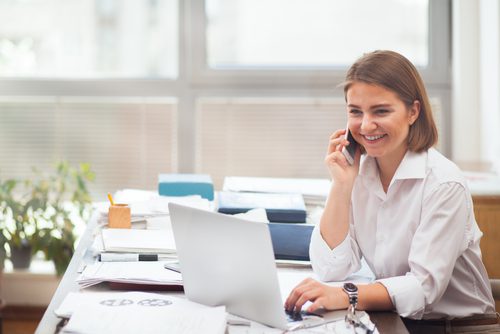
x=292, y=316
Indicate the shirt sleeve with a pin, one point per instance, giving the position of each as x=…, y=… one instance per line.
x=442, y=236
x=334, y=264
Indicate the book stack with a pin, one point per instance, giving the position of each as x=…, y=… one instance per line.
x=285, y=201
x=287, y=208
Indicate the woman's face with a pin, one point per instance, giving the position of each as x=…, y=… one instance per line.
x=379, y=120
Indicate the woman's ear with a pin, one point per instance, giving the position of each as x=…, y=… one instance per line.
x=414, y=112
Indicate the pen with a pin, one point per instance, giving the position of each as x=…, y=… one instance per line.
x=111, y=199
x=127, y=257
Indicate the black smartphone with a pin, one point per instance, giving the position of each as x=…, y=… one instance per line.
x=350, y=150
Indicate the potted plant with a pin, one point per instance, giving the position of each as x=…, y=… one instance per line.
x=3, y=241
x=38, y=214
x=17, y=225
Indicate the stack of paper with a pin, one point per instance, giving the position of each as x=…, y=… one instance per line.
x=139, y=312
x=138, y=241
x=483, y=184
x=149, y=273
x=315, y=191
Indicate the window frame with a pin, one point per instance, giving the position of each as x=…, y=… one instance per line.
x=436, y=73
x=196, y=80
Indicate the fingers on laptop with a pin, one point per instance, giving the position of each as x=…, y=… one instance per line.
x=307, y=290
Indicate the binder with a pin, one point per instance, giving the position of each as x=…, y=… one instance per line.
x=291, y=241
x=288, y=208
x=186, y=184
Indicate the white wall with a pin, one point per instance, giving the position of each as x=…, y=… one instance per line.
x=489, y=46
x=476, y=83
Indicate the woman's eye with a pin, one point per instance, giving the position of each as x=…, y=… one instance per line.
x=354, y=112
x=382, y=111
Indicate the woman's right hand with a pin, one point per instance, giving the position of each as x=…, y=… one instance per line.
x=341, y=172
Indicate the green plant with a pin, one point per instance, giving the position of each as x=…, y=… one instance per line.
x=42, y=211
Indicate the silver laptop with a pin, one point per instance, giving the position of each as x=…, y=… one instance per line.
x=229, y=261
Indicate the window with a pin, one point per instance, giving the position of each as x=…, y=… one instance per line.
x=88, y=38
x=312, y=33
x=185, y=86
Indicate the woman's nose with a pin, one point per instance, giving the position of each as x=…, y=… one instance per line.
x=368, y=124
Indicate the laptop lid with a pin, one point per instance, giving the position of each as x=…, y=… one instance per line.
x=228, y=261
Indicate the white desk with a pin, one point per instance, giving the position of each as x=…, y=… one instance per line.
x=387, y=322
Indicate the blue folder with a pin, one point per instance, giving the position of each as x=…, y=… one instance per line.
x=291, y=241
x=186, y=184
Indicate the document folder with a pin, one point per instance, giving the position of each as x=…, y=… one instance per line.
x=286, y=208
x=291, y=241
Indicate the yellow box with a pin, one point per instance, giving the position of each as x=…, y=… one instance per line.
x=119, y=216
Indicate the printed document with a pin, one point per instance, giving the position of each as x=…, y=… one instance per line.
x=140, y=312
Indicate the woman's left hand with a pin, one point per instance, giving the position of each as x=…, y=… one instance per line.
x=321, y=295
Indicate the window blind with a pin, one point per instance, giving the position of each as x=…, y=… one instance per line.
x=127, y=141
x=268, y=137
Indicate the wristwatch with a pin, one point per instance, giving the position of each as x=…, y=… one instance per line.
x=352, y=293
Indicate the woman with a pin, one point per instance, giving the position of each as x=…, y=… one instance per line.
x=402, y=206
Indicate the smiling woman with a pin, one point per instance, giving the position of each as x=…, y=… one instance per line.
x=388, y=110
x=403, y=86
x=402, y=206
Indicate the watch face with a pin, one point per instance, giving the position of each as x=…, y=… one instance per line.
x=350, y=287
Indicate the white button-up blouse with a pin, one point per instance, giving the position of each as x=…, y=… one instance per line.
x=420, y=239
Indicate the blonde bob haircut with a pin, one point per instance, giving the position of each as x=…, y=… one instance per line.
x=393, y=71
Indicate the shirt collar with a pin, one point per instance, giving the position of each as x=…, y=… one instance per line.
x=368, y=167
x=413, y=166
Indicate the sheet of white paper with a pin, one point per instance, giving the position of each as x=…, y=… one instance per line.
x=74, y=300
x=159, y=223
x=139, y=312
x=132, y=240
x=255, y=215
x=310, y=187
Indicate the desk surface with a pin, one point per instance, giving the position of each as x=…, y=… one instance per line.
x=68, y=283
x=386, y=322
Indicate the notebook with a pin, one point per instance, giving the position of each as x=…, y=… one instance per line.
x=229, y=261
